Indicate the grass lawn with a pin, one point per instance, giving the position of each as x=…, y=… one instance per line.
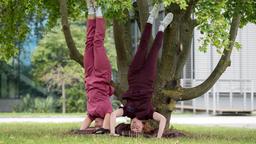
x=32, y=115
x=31, y=133
x=36, y=115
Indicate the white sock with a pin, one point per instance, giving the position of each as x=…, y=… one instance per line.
x=98, y=12
x=150, y=20
x=161, y=28
x=91, y=11
x=153, y=14
x=167, y=20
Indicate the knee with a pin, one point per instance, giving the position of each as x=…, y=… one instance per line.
x=98, y=40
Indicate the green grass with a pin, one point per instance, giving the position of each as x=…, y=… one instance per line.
x=40, y=115
x=31, y=133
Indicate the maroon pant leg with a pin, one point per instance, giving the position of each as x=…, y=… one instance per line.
x=150, y=66
x=101, y=62
x=140, y=56
x=88, y=53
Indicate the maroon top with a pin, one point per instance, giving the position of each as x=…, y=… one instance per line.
x=138, y=104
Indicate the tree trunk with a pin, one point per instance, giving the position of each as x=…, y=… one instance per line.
x=63, y=97
x=143, y=7
x=123, y=44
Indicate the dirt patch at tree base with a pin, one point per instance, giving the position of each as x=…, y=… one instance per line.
x=124, y=130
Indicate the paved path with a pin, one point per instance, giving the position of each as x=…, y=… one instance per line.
x=203, y=120
x=230, y=121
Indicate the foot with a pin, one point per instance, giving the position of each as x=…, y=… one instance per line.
x=91, y=7
x=153, y=14
x=99, y=12
x=167, y=20
x=155, y=11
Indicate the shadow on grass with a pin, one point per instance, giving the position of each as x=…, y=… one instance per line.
x=124, y=130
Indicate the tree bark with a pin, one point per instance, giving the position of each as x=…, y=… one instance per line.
x=171, y=51
x=73, y=52
x=187, y=25
x=122, y=36
x=143, y=7
x=186, y=36
x=136, y=14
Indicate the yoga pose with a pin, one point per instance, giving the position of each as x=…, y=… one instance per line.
x=97, y=71
x=141, y=76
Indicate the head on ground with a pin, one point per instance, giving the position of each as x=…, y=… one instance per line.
x=98, y=122
x=139, y=126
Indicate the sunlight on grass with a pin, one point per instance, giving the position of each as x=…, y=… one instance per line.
x=32, y=115
x=29, y=133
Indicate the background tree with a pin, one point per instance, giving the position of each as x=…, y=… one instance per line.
x=218, y=22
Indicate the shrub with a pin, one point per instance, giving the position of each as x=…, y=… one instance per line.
x=36, y=105
x=76, y=99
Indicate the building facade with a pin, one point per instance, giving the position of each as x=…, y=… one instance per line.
x=235, y=91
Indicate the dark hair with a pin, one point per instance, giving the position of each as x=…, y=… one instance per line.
x=147, y=127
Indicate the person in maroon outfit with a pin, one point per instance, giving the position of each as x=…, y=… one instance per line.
x=97, y=71
x=141, y=77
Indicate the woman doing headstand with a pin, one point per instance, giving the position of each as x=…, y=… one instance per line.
x=141, y=77
x=97, y=71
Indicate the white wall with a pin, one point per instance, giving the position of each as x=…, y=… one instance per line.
x=243, y=64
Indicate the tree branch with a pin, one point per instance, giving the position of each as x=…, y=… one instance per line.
x=73, y=52
x=190, y=8
x=186, y=34
x=137, y=14
x=224, y=62
x=194, y=23
x=143, y=8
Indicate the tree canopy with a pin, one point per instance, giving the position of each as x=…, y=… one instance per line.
x=20, y=17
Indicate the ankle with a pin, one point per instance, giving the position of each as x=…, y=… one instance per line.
x=90, y=7
x=150, y=20
x=161, y=28
x=91, y=11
